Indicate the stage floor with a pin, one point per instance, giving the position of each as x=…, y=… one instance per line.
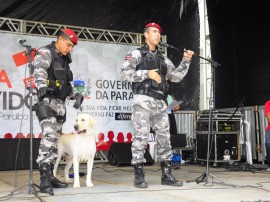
x=116, y=184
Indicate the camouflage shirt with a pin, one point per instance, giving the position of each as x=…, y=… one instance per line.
x=42, y=63
x=129, y=74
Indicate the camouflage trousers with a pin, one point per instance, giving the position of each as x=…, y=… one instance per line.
x=157, y=118
x=51, y=131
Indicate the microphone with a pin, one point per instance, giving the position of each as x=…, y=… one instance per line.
x=21, y=41
x=215, y=64
x=170, y=46
x=164, y=44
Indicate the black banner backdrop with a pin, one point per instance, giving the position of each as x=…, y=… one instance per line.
x=179, y=20
x=239, y=34
x=238, y=31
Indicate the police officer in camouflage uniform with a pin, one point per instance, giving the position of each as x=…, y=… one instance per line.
x=149, y=70
x=53, y=82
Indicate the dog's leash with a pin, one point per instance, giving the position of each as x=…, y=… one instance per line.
x=80, y=108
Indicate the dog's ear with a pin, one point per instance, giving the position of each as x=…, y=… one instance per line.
x=92, y=121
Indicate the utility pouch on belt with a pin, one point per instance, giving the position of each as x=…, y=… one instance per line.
x=65, y=91
x=43, y=111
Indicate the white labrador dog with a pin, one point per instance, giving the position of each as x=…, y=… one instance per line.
x=78, y=147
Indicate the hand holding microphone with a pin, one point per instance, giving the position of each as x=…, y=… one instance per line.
x=187, y=53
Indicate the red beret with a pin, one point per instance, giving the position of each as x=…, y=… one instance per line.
x=71, y=35
x=152, y=24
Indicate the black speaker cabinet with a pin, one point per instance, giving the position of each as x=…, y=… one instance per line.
x=178, y=140
x=120, y=155
x=223, y=146
x=16, y=153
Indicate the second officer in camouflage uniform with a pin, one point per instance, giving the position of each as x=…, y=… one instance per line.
x=53, y=82
x=149, y=70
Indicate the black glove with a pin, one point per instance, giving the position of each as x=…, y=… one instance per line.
x=42, y=92
x=79, y=99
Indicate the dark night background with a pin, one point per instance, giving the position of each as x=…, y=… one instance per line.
x=238, y=32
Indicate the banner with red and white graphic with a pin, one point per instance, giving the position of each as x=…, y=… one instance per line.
x=96, y=69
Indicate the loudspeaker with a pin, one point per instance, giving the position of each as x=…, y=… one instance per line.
x=221, y=145
x=120, y=155
x=17, y=153
x=178, y=140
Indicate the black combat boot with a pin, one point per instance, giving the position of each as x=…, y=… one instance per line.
x=55, y=182
x=139, y=180
x=45, y=185
x=167, y=178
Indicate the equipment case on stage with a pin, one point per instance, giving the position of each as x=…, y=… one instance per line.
x=224, y=137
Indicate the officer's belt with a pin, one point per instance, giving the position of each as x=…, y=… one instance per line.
x=53, y=100
x=150, y=93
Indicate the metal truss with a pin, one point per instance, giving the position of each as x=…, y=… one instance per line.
x=84, y=33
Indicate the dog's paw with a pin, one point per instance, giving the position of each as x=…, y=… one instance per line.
x=89, y=184
x=69, y=181
x=76, y=185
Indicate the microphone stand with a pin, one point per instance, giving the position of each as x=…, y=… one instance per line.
x=205, y=176
x=239, y=104
x=213, y=63
x=247, y=166
x=31, y=185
